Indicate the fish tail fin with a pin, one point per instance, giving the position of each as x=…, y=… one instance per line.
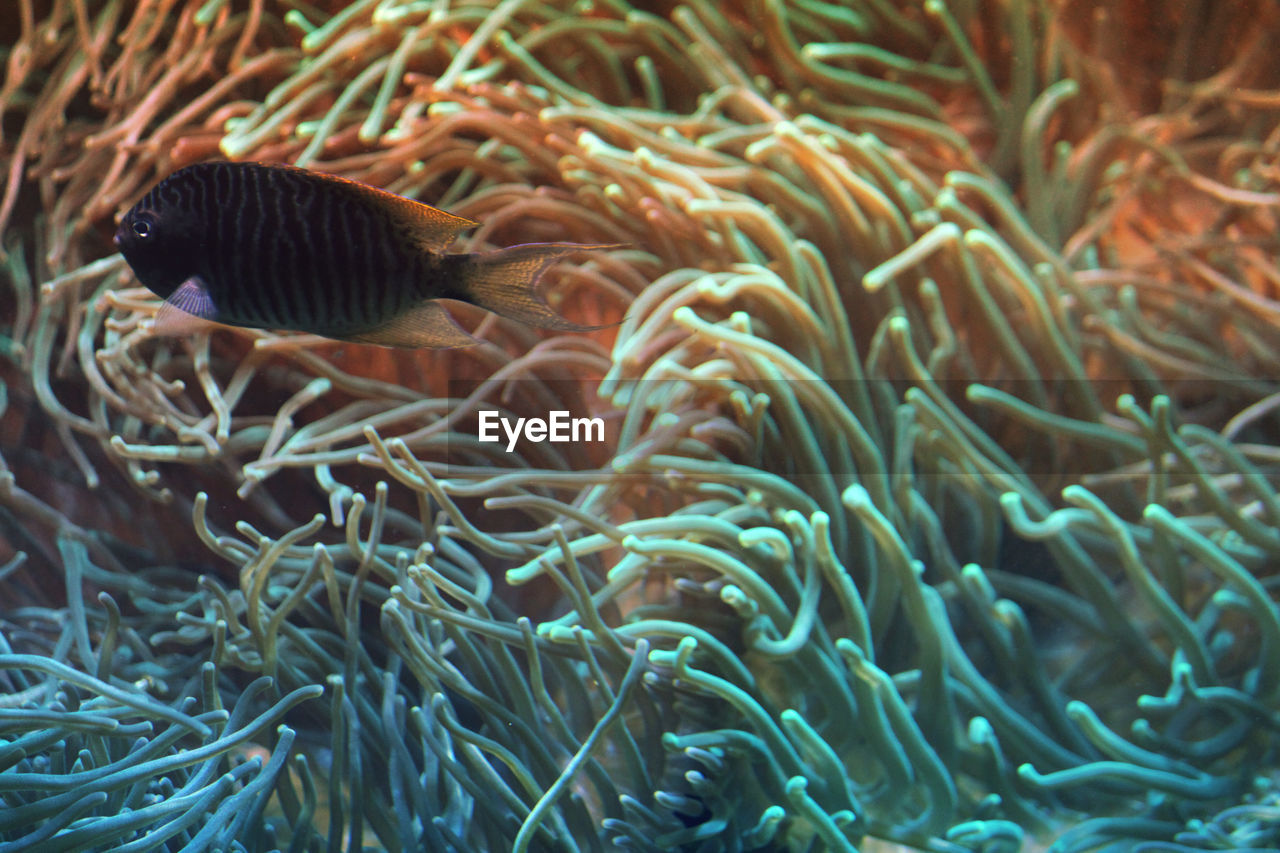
x=505, y=282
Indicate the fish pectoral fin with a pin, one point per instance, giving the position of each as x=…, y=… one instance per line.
x=192, y=297
x=188, y=309
x=424, y=325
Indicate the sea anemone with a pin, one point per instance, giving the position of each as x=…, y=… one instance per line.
x=936, y=505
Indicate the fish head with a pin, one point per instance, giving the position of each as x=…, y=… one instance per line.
x=160, y=243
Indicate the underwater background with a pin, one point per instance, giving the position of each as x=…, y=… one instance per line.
x=938, y=507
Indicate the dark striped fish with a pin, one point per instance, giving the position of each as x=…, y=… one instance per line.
x=277, y=247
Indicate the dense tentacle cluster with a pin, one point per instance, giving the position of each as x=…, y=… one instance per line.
x=938, y=503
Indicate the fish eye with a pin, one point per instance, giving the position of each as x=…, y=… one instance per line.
x=143, y=226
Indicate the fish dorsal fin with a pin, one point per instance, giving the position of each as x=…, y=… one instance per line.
x=432, y=228
x=188, y=309
x=424, y=325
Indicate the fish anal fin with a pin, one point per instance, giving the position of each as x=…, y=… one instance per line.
x=505, y=282
x=187, y=310
x=427, y=324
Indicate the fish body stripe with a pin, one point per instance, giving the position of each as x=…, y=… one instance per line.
x=264, y=250
x=222, y=265
x=265, y=257
x=330, y=264
x=351, y=294
x=375, y=294
x=237, y=242
x=292, y=249
x=327, y=295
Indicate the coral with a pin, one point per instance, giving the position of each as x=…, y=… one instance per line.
x=938, y=507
